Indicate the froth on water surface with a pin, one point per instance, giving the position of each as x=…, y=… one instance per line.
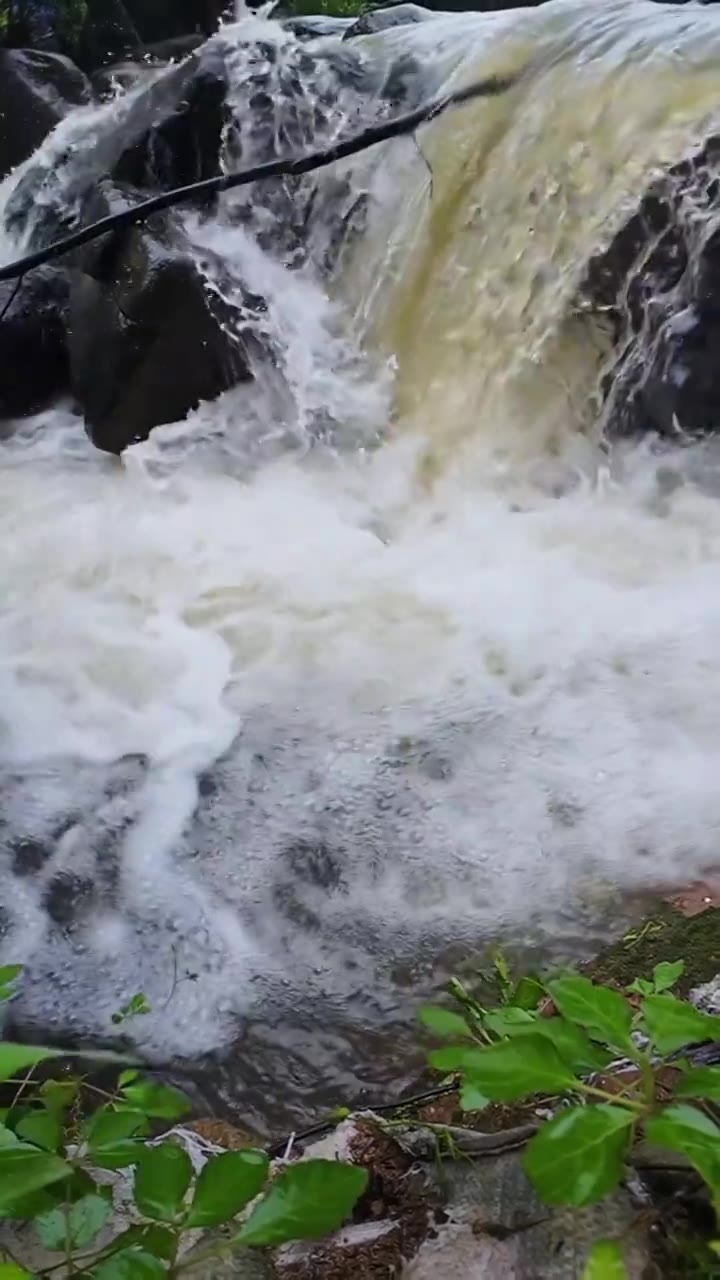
x=284, y=730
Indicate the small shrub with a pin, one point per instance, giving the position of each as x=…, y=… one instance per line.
x=52, y=1150
x=516, y=1051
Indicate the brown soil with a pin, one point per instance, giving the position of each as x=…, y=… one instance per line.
x=398, y=1197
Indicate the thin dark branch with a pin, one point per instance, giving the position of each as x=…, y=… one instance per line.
x=272, y=169
x=11, y=299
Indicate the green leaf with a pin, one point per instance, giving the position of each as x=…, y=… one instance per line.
x=137, y=1005
x=509, y=1021
x=451, y=1059
x=500, y=966
x=51, y=1228
x=161, y=1241
x=307, y=1201
x=703, y=1082
x=157, y=1100
x=577, y=1157
x=443, y=1022
x=9, y=1271
x=226, y=1184
x=57, y=1095
x=641, y=986
x=605, y=1014
x=18, y=1057
x=471, y=1099
x=672, y=1023
x=41, y=1128
x=605, y=1262
x=8, y=973
x=7, y=1137
x=24, y=1169
x=130, y=1264
x=517, y=1069
x=687, y=1130
x=573, y=1046
x=162, y=1178
x=127, y=1077
x=666, y=974
x=87, y=1217
x=27, y=1208
x=108, y=1127
x=118, y=1155
x=528, y=993
x=150, y=1237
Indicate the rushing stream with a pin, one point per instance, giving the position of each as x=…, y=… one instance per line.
x=300, y=698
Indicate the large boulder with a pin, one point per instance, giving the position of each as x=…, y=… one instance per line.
x=658, y=282
x=148, y=339
x=33, y=347
x=36, y=90
x=155, y=325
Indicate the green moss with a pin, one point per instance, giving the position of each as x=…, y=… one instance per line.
x=665, y=935
x=324, y=8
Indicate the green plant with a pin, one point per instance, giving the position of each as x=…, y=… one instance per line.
x=59, y=1137
x=562, y=1051
x=326, y=8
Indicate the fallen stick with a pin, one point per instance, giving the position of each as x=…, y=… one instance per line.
x=271, y=169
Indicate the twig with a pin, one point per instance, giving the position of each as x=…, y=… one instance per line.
x=11, y=299
x=369, y=137
x=382, y=1108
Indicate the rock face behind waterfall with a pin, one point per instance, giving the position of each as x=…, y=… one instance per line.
x=36, y=91
x=659, y=282
x=146, y=326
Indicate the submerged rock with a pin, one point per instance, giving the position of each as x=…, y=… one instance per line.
x=399, y=15
x=36, y=90
x=33, y=340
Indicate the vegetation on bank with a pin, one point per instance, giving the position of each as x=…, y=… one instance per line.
x=25, y=22
x=326, y=8
x=611, y=1067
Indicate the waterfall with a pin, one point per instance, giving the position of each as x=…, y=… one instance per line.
x=388, y=655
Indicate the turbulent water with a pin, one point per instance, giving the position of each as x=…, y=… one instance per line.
x=300, y=707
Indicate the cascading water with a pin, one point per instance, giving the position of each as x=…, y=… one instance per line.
x=325, y=681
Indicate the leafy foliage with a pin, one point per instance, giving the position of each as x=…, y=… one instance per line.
x=552, y=1039
x=51, y=1151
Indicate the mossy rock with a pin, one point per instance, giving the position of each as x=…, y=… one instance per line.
x=666, y=934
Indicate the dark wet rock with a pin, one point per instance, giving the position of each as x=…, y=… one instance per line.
x=399, y=15
x=28, y=856
x=658, y=284
x=68, y=897
x=36, y=90
x=148, y=339
x=169, y=134
x=183, y=137
x=314, y=27
x=34, y=366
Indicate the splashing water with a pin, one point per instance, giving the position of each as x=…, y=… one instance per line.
x=289, y=713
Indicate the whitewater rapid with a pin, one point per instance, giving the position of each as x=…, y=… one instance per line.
x=448, y=674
